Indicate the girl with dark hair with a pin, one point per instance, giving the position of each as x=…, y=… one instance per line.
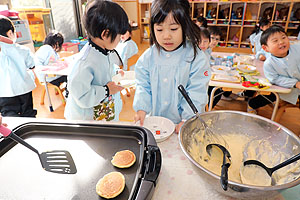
x=90, y=81
x=173, y=59
x=260, y=54
x=48, y=53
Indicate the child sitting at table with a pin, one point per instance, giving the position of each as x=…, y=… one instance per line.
x=260, y=53
x=282, y=68
x=90, y=81
x=16, y=83
x=173, y=59
x=201, y=22
x=48, y=53
x=126, y=48
x=215, y=37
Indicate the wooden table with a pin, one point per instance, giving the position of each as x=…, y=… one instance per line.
x=259, y=66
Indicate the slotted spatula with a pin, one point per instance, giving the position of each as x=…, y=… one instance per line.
x=57, y=161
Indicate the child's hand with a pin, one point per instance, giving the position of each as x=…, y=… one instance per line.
x=298, y=85
x=113, y=88
x=140, y=116
x=6, y=40
x=1, y=121
x=262, y=57
x=178, y=126
x=121, y=72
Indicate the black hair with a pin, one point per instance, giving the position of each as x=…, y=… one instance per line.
x=204, y=33
x=262, y=22
x=180, y=10
x=202, y=20
x=6, y=25
x=102, y=15
x=270, y=31
x=54, y=39
x=129, y=29
x=214, y=30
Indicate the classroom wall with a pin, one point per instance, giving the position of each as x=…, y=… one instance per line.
x=63, y=17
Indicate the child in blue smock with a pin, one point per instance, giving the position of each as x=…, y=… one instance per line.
x=260, y=53
x=16, y=83
x=282, y=68
x=126, y=48
x=49, y=53
x=174, y=58
x=90, y=81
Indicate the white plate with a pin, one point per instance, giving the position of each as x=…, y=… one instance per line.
x=220, y=68
x=127, y=80
x=165, y=126
x=246, y=68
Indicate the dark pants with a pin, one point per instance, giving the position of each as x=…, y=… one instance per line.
x=261, y=100
x=18, y=106
x=217, y=95
x=59, y=81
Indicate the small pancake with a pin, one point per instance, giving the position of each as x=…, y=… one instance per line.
x=123, y=159
x=111, y=185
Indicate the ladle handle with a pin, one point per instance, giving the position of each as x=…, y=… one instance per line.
x=187, y=98
x=287, y=162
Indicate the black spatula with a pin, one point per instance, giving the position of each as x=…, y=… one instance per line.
x=57, y=161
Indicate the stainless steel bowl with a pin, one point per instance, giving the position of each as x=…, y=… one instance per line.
x=247, y=124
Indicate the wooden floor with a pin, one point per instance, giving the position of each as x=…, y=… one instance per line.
x=290, y=119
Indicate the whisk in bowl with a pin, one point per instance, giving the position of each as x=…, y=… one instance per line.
x=208, y=133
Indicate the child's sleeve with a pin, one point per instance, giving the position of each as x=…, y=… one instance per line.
x=29, y=59
x=275, y=78
x=143, y=95
x=197, y=86
x=83, y=91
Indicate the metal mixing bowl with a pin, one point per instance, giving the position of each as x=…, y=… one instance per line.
x=247, y=124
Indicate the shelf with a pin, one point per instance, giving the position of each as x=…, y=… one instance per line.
x=237, y=29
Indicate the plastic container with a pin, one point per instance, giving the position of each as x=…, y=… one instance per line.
x=81, y=44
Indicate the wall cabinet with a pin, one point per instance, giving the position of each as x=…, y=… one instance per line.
x=236, y=19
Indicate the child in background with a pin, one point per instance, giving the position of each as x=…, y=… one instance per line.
x=173, y=59
x=205, y=41
x=16, y=83
x=282, y=68
x=215, y=37
x=49, y=53
x=205, y=46
x=126, y=48
x=201, y=22
x=260, y=54
x=89, y=82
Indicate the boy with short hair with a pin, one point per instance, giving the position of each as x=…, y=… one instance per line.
x=282, y=68
x=90, y=81
x=215, y=37
x=16, y=82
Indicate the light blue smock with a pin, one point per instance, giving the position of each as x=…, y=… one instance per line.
x=42, y=57
x=251, y=38
x=15, y=77
x=285, y=72
x=258, y=50
x=158, y=75
x=126, y=50
x=91, y=70
x=298, y=38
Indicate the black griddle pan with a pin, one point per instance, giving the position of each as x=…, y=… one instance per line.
x=92, y=147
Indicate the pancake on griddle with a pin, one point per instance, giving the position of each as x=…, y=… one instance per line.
x=123, y=159
x=111, y=185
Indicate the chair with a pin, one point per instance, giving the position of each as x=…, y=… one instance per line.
x=58, y=90
x=283, y=109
